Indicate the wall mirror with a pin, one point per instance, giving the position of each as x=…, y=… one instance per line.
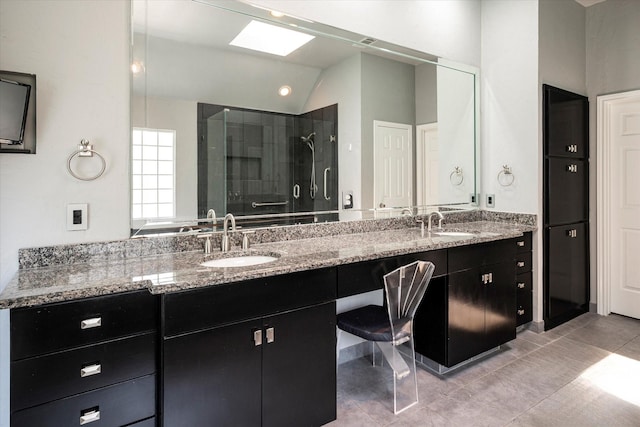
x=366, y=129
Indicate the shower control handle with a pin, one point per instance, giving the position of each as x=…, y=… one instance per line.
x=326, y=172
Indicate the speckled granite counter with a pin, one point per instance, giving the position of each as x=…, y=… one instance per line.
x=181, y=270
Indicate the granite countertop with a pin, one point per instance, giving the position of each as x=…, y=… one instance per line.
x=181, y=270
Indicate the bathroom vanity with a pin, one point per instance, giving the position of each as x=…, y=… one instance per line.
x=143, y=345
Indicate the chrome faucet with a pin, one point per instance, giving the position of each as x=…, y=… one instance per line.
x=440, y=218
x=406, y=211
x=211, y=214
x=226, y=241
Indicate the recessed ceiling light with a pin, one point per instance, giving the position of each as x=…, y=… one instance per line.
x=270, y=39
x=284, y=91
x=137, y=67
x=276, y=14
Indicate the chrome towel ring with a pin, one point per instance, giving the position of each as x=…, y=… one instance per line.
x=506, y=176
x=456, y=177
x=86, y=150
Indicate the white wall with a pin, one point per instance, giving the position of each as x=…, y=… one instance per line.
x=79, y=51
x=509, y=102
x=612, y=65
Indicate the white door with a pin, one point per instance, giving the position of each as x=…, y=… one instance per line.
x=426, y=165
x=621, y=132
x=392, y=165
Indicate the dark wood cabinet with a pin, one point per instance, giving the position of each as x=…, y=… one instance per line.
x=479, y=300
x=566, y=205
x=272, y=365
x=85, y=361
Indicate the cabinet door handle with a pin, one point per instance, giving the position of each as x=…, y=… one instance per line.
x=520, y=312
x=521, y=243
x=520, y=285
x=520, y=264
x=572, y=168
x=271, y=335
x=94, y=322
x=90, y=370
x=573, y=233
x=257, y=337
x=89, y=416
x=573, y=148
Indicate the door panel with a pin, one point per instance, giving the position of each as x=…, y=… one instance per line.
x=567, y=197
x=299, y=369
x=566, y=119
x=500, y=305
x=213, y=377
x=466, y=315
x=392, y=165
x=625, y=208
x=567, y=267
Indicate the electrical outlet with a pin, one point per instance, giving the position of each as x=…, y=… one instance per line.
x=473, y=199
x=347, y=199
x=491, y=200
x=77, y=217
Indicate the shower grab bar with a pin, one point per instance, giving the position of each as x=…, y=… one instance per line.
x=261, y=204
x=326, y=171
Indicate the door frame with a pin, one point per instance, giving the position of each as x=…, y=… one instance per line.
x=421, y=168
x=604, y=170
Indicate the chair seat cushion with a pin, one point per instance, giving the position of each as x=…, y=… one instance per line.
x=371, y=323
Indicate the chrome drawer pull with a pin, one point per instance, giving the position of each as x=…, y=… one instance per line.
x=520, y=312
x=270, y=335
x=94, y=322
x=89, y=417
x=572, y=233
x=257, y=337
x=573, y=148
x=520, y=264
x=521, y=243
x=521, y=285
x=572, y=168
x=87, y=371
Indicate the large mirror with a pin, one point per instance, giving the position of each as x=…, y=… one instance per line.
x=366, y=129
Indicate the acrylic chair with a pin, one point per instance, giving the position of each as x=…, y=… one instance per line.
x=390, y=327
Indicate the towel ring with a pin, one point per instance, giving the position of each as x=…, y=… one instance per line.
x=86, y=150
x=506, y=176
x=456, y=177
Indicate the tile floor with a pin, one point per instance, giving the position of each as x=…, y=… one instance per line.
x=585, y=372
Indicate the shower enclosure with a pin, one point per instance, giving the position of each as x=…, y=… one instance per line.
x=264, y=163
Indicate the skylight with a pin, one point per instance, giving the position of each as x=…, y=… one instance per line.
x=270, y=39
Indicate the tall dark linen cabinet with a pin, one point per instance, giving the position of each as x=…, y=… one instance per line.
x=566, y=205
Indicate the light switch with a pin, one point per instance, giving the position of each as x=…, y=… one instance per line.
x=77, y=217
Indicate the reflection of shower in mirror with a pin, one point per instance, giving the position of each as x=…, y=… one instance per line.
x=313, y=188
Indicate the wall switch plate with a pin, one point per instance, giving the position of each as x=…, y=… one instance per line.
x=491, y=200
x=77, y=217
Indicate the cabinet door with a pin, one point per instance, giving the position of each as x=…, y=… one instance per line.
x=566, y=123
x=299, y=368
x=566, y=191
x=466, y=315
x=500, y=305
x=213, y=377
x=567, y=287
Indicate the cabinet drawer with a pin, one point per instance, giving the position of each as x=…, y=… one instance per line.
x=466, y=257
x=223, y=304
x=42, y=379
x=116, y=405
x=368, y=275
x=523, y=262
x=523, y=244
x=52, y=327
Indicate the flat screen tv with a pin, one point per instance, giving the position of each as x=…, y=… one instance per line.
x=14, y=103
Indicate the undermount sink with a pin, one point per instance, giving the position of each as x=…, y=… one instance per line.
x=453, y=234
x=239, y=261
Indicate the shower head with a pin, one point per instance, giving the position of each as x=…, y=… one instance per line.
x=309, y=138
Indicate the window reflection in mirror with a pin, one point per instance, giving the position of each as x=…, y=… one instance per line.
x=405, y=128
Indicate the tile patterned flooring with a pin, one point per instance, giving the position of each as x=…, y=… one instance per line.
x=584, y=373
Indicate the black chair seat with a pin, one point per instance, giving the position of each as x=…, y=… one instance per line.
x=371, y=323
